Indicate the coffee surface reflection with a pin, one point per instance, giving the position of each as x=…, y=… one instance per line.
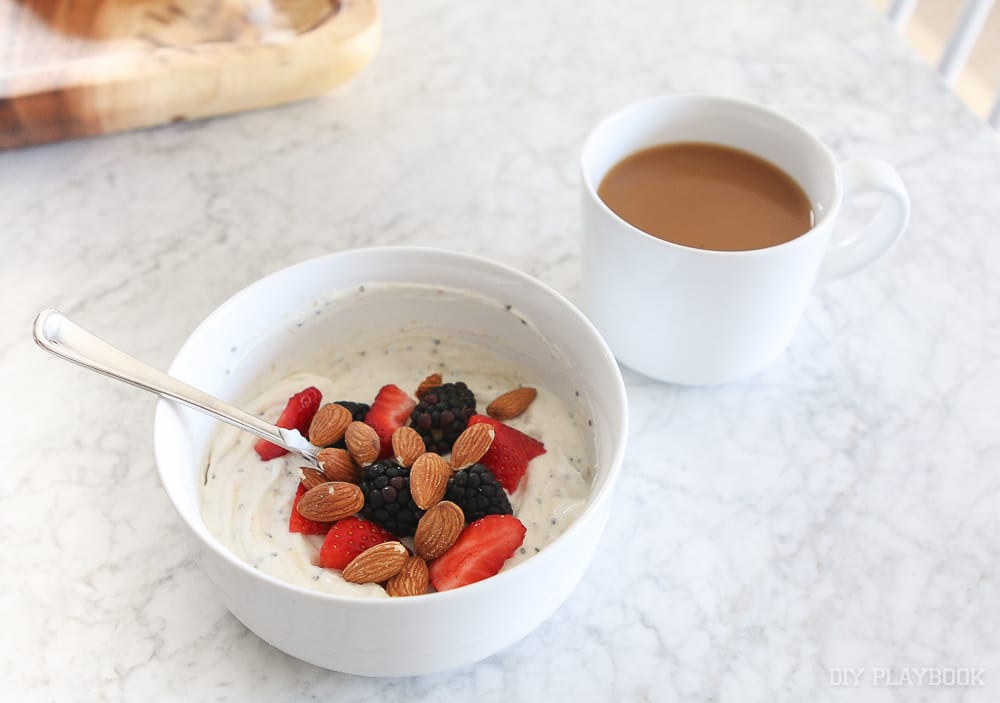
x=707, y=196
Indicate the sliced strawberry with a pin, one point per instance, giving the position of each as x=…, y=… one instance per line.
x=479, y=553
x=297, y=523
x=510, y=453
x=297, y=415
x=347, y=539
x=390, y=410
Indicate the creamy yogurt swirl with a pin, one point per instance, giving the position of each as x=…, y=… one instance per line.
x=245, y=502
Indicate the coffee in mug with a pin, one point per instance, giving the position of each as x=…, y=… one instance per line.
x=707, y=196
x=725, y=307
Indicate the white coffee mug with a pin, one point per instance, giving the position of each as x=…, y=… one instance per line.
x=696, y=316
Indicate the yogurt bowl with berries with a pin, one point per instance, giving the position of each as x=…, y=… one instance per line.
x=475, y=424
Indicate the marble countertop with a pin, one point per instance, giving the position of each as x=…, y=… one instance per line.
x=839, y=510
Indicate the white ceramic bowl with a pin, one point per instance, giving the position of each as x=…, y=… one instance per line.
x=270, y=329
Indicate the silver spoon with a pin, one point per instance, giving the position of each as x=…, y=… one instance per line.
x=58, y=334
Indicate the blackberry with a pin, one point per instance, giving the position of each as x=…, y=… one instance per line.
x=441, y=415
x=478, y=493
x=386, y=487
x=358, y=412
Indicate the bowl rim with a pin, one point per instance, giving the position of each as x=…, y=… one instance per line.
x=618, y=414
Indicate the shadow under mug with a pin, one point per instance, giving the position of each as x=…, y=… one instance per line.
x=696, y=316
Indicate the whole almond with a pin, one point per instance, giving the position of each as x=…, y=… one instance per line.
x=429, y=479
x=328, y=424
x=377, y=564
x=338, y=465
x=311, y=477
x=407, y=445
x=432, y=381
x=412, y=579
x=331, y=501
x=470, y=446
x=438, y=529
x=511, y=404
x=362, y=442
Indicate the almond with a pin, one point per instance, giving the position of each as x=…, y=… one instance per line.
x=377, y=564
x=412, y=580
x=511, y=404
x=311, y=477
x=438, y=529
x=331, y=501
x=471, y=445
x=338, y=465
x=362, y=442
x=407, y=445
x=429, y=479
x=328, y=424
x=432, y=381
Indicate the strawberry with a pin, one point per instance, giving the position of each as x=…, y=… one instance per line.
x=347, y=539
x=297, y=415
x=297, y=523
x=510, y=452
x=390, y=410
x=479, y=553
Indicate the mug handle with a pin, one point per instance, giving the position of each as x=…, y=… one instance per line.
x=850, y=254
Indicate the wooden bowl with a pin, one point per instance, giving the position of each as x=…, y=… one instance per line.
x=72, y=69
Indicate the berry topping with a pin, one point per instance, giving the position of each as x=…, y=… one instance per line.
x=297, y=415
x=357, y=410
x=347, y=538
x=479, y=553
x=297, y=523
x=442, y=413
x=510, y=452
x=386, y=487
x=389, y=411
x=478, y=493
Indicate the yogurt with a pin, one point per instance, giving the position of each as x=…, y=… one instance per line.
x=245, y=502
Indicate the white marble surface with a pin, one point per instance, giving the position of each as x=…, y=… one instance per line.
x=838, y=510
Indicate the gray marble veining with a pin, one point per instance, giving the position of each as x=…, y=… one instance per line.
x=838, y=510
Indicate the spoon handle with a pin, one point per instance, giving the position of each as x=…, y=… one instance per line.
x=58, y=334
